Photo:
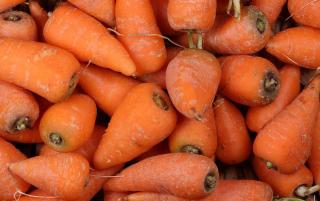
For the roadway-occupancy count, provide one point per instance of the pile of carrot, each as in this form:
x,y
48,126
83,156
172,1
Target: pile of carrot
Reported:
x,y
159,100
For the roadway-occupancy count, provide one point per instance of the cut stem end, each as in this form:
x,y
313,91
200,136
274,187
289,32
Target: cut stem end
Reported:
x,y
56,139
21,124
160,101
191,149
210,182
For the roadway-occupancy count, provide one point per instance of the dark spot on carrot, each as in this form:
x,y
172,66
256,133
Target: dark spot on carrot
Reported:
x,y
210,182
196,115
21,123
261,23
72,84
160,101
12,18
191,149
56,139
271,85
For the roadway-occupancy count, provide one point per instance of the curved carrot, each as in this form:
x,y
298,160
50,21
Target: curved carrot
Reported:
x,y
148,52
192,80
234,144
305,12
132,129
258,117
285,142
6,4
39,15
93,45
314,159
30,135
143,196
271,9
166,174
96,82
114,196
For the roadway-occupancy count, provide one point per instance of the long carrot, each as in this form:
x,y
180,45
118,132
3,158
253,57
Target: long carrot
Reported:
x,y
94,45
30,135
314,160
39,15
305,12
6,4
271,8
146,196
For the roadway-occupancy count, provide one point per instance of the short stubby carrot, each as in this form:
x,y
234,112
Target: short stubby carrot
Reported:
x,y
63,175
166,173
6,4
271,8
46,70
192,15
257,117
192,136
305,12
285,142
94,45
103,10
314,160
30,135
97,81
39,15
19,25
147,51
249,80
192,80
285,45
234,144
144,196
248,35
134,130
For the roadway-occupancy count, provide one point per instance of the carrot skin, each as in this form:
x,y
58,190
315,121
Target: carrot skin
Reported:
x,y
314,160
271,8
39,15
6,4
305,12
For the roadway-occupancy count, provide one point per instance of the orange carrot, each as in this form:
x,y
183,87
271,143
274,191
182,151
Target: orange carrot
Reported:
x,y
96,82
192,79
143,128
93,45
167,174
234,144
113,196
314,160
305,12
144,196
148,52
39,15
257,117
6,4
249,80
63,175
31,135
285,142
271,9
67,125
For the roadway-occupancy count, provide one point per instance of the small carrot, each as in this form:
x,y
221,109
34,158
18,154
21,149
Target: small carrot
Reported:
x,y
146,196
30,135
305,12
192,79
285,142
257,117
39,15
143,128
97,81
234,144
167,174
114,196
67,125
6,4
93,45
314,160
249,80
271,9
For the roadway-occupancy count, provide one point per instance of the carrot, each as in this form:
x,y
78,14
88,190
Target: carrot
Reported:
x,y
198,137
271,9
63,175
96,82
67,125
37,195
167,174
148,52
161,148
39,15
30,135
93,45
305,12
113,196
146,196
258,117
192,79
313,161
6,4
245,36
249,80
9,183
285,142
234,144
290,52
143,128
103,10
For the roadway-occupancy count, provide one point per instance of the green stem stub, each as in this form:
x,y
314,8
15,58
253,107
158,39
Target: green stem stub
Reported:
x,y
190,39
210,182
191,149
12,18
21,124
56,139
160,101
261,23
270,165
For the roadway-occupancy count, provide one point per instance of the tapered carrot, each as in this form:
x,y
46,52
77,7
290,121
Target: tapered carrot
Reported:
x,y
148,52
245,36
192,136
249,80
103,10
144,196
96,82
192,79
271,9
305,12
30,135
290,52
6,4
285,142
67,125
257,117
39,15
63,175
94,45
113,196
132,129
166,174
234,144
314,160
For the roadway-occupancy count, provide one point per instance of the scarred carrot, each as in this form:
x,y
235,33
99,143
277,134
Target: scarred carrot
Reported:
x,y
6,4
314,160
305,12
271,8
39,15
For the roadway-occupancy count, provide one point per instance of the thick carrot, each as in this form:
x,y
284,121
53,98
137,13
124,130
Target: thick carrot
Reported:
x,y
245,36
30,135
167,174
103,10
314,160
271,9
6,4
148,52
285,46
63,175
94,45
147,196
192,136
234,144
132,129
114,196
305,12
249,80
96,82
192,80
257,117
39,15
67,125
285,142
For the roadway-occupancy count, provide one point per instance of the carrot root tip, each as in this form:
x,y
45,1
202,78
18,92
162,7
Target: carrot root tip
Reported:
x,y
21,123
160,101
261,23
304,191
271,85
56,139
191,149
12,18
210,182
